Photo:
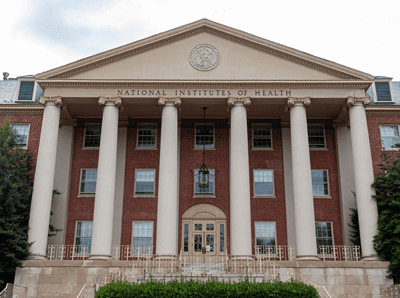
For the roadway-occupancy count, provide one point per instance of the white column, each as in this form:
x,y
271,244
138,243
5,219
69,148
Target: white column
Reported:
x,y
302,183
364,176
239,179
44,178
105,186
167,212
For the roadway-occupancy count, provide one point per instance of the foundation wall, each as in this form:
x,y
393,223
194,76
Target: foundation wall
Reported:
x,y
66,278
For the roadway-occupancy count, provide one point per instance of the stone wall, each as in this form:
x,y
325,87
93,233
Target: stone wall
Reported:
x,y
66,278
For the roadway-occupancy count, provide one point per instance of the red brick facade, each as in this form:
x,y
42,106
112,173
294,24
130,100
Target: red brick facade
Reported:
x,y
262,209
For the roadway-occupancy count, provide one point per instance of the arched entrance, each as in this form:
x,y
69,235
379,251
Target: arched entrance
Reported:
x,y
204,225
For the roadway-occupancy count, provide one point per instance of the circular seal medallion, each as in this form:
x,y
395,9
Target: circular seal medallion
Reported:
x,y
204,57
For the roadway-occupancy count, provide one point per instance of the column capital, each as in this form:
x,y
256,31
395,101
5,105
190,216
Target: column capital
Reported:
x,y
162,101
304,101
50,99
116,100
351,101
239,100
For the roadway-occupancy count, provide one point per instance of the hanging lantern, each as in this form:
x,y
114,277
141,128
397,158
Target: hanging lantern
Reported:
x,y
204,177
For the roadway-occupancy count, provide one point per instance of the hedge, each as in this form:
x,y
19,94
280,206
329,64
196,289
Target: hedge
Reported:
x,y
208,289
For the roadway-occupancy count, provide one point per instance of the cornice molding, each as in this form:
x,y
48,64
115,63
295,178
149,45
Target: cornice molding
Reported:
x,y
162,101
305,101
20,111
213,28
383,112
206,84
241,100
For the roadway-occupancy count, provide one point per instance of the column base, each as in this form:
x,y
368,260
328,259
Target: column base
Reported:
x,y
371,258
307,258
100,257
36,257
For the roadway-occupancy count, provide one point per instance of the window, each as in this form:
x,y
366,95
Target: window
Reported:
x,y
88,182
204,136
323,231
390,136
92,135
265,237
83,236
204,191
262,136
316,136
26,91
383,92
142,240
147,134
320,185
22,133
263,182
144,183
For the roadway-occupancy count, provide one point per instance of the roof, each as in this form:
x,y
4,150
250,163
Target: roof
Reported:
x,y
8,88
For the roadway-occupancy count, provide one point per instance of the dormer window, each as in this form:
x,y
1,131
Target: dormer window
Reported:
x,y
383,91
26,89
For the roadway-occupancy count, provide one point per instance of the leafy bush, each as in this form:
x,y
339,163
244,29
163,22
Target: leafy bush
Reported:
x,y
209,289
387,242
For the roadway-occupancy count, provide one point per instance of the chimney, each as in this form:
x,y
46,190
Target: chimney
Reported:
x,y
5,75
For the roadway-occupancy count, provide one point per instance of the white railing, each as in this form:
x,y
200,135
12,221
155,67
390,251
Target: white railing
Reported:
x,y
130,252
276,252
390,292
67,252
257,268
339,253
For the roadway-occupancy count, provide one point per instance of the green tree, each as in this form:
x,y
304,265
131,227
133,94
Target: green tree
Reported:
x,y
355,238
15,196
387,242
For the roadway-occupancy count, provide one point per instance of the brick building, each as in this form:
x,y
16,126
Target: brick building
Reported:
x,y
287,138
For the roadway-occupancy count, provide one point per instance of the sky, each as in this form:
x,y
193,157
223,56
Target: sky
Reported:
x,y
40,35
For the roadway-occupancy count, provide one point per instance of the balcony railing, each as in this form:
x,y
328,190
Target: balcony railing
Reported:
x,y
67,252
131,252
267,252
276,252
339,253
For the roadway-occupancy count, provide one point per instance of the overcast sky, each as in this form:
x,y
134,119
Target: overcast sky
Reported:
x,y
43,34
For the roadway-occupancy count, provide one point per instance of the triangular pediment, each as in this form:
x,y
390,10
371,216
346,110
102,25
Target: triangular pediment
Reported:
x,y
167,56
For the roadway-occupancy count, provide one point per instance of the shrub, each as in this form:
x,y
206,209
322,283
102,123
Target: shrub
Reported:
x,y
208,289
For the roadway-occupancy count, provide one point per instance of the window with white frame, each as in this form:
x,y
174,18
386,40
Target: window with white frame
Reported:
x,y
265,237
144,182
204,136
263,182
142,239
316,136
324,233
147,134
92,135
88,181
320,182
210,190
22,133
262,136
390,136
83,236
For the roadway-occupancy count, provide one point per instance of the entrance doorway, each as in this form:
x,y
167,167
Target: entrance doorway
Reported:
x,y
204,228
